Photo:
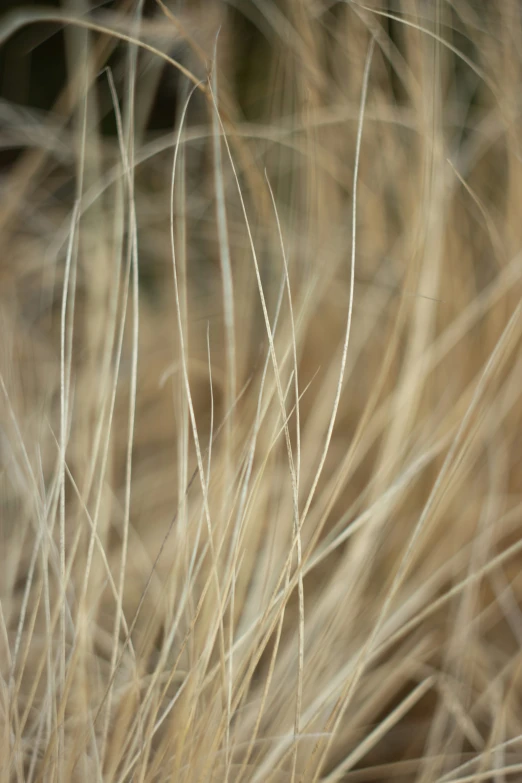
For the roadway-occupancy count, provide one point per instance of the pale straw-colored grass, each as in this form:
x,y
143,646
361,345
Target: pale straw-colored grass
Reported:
x,y
260,382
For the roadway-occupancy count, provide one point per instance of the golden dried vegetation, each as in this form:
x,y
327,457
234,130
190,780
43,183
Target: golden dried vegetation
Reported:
x,y
260,394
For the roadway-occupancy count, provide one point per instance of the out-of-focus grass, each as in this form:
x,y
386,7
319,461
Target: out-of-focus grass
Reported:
x,y
260,447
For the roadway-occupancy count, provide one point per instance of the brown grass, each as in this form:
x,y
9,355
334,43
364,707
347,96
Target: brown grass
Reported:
x,y
261,373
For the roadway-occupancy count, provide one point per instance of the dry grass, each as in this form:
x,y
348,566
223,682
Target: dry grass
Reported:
x,y
261,456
